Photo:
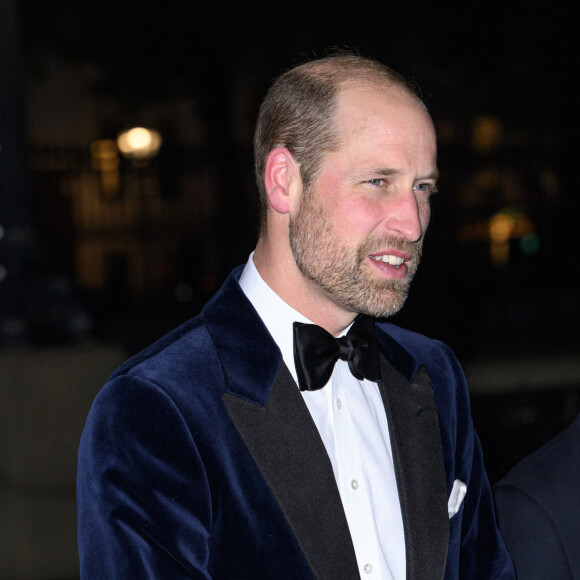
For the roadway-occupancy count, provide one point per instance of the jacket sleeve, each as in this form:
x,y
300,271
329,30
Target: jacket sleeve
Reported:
x,y
483,551
476,548
531,535
144,506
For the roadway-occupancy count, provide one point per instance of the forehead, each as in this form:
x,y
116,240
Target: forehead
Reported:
x,y
386,116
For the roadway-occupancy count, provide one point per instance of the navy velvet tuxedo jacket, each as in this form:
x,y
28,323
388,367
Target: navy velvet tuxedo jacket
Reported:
x,y
538,509
200,459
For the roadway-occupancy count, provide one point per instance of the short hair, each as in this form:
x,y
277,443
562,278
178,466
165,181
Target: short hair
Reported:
x,y
298,112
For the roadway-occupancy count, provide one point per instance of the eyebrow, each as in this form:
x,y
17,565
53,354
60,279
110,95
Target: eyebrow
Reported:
x,y
375,171
434,175
387,171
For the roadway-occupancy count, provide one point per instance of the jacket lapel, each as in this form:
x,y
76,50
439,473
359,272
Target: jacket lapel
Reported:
x,y
277,435
418,459
272,418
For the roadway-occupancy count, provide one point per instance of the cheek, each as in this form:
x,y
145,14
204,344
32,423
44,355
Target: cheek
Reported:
x,y
359,216
326,192
349,213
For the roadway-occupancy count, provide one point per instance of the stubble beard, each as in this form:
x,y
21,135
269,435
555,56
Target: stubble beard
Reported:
x,y
343,271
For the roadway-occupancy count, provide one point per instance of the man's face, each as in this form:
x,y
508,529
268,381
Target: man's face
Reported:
x,y
359,230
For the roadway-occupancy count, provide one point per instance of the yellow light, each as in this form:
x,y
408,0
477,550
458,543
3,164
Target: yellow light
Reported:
x,y
501,227
105,160
105,156
139,143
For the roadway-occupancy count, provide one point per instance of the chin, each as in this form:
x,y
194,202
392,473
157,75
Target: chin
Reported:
x,y
380,306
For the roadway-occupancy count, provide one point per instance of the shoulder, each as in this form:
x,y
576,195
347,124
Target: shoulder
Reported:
x,y
174,376
537,505
405,337
551,471
407,351
173,354
189,354
421,348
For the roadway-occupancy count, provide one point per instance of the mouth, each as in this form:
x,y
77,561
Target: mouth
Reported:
x,y
395,261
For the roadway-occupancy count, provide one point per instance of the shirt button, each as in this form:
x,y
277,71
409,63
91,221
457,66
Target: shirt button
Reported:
x,y
339,403
354,485
368,568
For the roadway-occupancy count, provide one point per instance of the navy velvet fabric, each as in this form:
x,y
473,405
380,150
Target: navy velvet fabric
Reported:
x,y
538,507
167,487
476,549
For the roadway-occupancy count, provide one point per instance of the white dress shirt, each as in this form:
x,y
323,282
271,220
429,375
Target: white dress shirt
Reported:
x,y
351,419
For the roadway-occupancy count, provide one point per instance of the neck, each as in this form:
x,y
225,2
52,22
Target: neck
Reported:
x,y
278,269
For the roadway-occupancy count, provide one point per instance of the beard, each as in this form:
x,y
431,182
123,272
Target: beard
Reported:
x,y
342,271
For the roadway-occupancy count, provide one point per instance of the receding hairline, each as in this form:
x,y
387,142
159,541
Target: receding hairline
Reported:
x,y
356,72
299,111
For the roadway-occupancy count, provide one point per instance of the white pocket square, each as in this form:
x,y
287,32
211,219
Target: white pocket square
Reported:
x,y
456,498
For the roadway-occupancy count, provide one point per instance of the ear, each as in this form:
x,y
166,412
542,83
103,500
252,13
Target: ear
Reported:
x,y
281,175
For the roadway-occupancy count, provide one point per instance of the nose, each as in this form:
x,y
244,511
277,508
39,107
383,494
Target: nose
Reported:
x,y
408,215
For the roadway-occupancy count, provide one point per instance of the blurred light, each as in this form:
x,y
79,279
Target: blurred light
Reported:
x,y
1,232
501,227
139,143
530,244
487,133
104,155
505,225
105,159
3,273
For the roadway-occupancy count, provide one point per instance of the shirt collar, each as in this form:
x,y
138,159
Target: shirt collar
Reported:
x,y
277,315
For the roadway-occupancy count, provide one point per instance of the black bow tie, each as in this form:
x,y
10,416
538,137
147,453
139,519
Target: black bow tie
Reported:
x,y
316,352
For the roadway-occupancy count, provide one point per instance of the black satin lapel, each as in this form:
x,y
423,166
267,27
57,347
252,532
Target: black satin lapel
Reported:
x,y
291,456
418,458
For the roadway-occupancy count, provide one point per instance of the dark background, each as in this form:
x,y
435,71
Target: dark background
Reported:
x,y
499,80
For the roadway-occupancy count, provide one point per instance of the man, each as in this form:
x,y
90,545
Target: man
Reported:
x,y
220,452
538,508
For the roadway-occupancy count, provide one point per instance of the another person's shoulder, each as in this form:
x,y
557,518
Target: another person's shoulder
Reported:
x,y
537,506
554,465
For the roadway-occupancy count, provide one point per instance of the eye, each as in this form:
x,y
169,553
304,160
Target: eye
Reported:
x,y
376,182
428,188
